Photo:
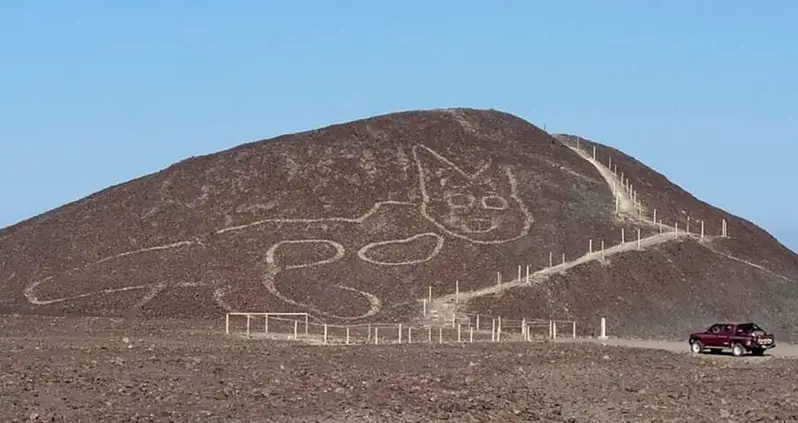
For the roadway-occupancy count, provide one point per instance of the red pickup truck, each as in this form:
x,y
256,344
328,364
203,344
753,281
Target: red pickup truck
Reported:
x,y
741,338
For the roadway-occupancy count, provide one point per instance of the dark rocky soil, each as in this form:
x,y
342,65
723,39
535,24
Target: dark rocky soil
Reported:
x,y
90,370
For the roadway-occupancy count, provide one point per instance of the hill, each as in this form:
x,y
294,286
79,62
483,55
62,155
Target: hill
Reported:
x,y
356,221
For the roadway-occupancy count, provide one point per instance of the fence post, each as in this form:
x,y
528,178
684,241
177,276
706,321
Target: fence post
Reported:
x,y
519,274
590,246
702,229
573,328
306,323
554,330
368,336
623,236
493,330
266,324
563,262
454,318
347,335
594,152
471,334
376,335
498,278
410,335
551,259
429,334
550,328
227,323
602,248
477,321
424,304
440,335
676,230
499,330
296,329
248,324
456,292
429,299
458,333
638,239
523,325
325,333
400,333
527,275
603,328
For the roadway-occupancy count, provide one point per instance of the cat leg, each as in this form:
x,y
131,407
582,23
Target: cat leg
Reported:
x,y
274,267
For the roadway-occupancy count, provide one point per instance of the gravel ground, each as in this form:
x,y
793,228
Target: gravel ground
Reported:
x,y
79,369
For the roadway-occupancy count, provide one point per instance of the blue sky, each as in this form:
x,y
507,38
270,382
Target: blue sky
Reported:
x,y
94,93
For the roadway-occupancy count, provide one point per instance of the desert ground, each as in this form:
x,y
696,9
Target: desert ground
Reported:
x,y
102,369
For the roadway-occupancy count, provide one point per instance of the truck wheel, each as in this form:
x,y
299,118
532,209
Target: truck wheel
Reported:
x,y
738,350
696,347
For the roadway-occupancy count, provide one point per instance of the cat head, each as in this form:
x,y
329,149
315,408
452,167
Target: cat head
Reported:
x,y
482,207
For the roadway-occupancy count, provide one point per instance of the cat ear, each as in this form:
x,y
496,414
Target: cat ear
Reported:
x,y
436,172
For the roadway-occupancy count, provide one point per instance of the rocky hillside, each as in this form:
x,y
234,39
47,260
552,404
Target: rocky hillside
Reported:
x,y
355,222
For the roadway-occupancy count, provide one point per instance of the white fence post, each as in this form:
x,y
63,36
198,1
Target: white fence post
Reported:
x,y
590,246
347,335
573,328
227,323
440,335
527,275
410,335
458,333
456,292
638,238
623,236
376,335
325,333
296,329
248,318
471,334
400,333
603,328
554,330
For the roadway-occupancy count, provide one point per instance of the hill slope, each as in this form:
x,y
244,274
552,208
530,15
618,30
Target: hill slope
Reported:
x,y
356,221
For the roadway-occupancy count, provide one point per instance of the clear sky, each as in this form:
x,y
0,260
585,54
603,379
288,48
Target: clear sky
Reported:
x,y
94,93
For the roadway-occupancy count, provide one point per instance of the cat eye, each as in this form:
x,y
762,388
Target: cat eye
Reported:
x,y
457,200
494,202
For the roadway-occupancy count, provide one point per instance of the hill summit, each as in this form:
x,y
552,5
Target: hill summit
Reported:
x,y
361,221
